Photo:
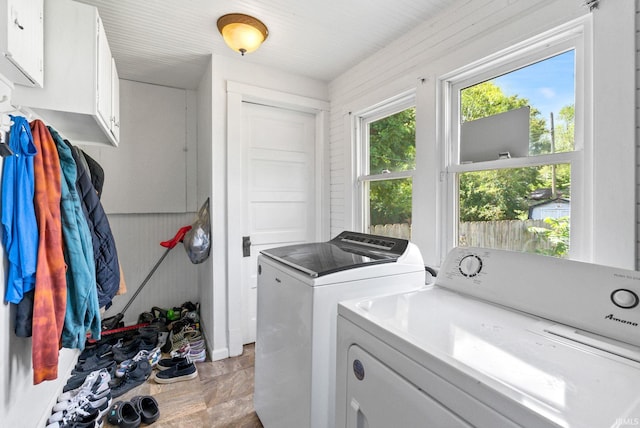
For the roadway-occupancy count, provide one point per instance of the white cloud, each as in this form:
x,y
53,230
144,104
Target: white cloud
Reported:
x,y
548,93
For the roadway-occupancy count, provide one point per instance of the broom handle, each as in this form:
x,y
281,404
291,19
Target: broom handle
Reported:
x,y
169,246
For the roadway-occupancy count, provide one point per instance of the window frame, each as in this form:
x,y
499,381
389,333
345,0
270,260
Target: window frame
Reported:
x,y
361,121
576,36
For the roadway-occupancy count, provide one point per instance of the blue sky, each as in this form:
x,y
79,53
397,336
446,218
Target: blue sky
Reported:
x,y
549,84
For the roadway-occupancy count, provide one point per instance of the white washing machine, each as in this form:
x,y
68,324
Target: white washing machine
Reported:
x,y
299,288
502,339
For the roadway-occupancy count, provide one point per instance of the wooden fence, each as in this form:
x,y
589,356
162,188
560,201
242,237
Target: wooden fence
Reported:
x,y
506,234
402,230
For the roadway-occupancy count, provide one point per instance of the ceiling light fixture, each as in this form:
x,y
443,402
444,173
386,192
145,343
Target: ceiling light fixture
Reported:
x,y
242,33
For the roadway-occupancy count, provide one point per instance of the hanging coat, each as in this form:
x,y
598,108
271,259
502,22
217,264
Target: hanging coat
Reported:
x,y
83,312
20,237
104,245
96,173
50,297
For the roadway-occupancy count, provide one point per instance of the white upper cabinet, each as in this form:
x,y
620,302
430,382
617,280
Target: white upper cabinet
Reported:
x,y
21,41
115,101
79,98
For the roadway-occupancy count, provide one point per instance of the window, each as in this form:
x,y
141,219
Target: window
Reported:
x,y
386,137
513,148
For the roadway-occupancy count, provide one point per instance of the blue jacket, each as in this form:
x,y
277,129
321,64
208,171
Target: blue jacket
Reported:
x,y
83,312
20,237
104,245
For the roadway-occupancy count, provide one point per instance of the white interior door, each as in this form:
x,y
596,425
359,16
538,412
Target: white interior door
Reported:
x,y
278,190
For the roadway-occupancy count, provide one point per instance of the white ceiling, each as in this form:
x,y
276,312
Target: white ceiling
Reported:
x,y
168,42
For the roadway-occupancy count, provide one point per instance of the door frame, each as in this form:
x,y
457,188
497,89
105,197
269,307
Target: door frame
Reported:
x,y
238,93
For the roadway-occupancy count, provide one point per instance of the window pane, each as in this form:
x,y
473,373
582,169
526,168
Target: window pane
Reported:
x,y
548,87
390,208
392,143
520,209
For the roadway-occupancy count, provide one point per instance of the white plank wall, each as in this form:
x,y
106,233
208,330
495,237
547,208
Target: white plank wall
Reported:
x,y
138,238
439,46
397,68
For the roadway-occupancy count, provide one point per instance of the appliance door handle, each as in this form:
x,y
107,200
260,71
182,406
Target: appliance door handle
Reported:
x,y
357,419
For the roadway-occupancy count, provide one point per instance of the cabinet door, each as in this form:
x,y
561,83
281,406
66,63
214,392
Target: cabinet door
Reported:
x,y
115,101
25,40
104,78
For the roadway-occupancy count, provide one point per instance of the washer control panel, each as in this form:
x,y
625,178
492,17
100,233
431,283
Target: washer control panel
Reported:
x,y
599,299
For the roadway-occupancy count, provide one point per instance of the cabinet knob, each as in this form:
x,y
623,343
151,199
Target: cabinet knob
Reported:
x,y
15,21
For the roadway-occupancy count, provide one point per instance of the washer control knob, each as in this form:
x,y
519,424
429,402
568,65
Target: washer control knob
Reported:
x,y
624,298
470,265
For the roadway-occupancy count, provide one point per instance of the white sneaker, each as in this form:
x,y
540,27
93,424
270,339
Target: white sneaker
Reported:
x,y
95,382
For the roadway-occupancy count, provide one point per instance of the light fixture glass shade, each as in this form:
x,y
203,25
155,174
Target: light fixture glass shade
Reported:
x,y
242,33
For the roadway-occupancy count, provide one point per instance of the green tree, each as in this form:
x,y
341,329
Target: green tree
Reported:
x,y
486,99
392,147
557,235
499,194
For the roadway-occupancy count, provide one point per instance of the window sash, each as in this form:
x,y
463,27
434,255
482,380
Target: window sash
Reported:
x,y
571,36
362,120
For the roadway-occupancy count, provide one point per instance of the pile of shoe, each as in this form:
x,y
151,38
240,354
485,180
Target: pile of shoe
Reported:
x,y
185,338
84,406
128,360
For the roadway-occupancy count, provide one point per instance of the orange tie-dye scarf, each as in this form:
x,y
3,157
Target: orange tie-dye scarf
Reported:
x,y
50,298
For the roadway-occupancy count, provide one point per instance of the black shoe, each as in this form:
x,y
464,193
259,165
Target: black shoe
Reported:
x,y
130,350
167,363
99,349
177,373
124,415
94,363
132,378
147,407
111,368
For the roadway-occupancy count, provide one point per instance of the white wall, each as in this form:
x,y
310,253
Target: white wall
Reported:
x,y
235,69
465,33
150,192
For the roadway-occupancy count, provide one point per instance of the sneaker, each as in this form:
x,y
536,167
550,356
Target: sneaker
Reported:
x,y
111,368
180,372
95,382
197,356
84,408
94,362
124,366
77,379
182,351
100,350
80,398
130,350
79,419
154,356
167,363
163,338
132,378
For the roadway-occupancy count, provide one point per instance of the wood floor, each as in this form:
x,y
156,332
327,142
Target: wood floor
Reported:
x,y
221,396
